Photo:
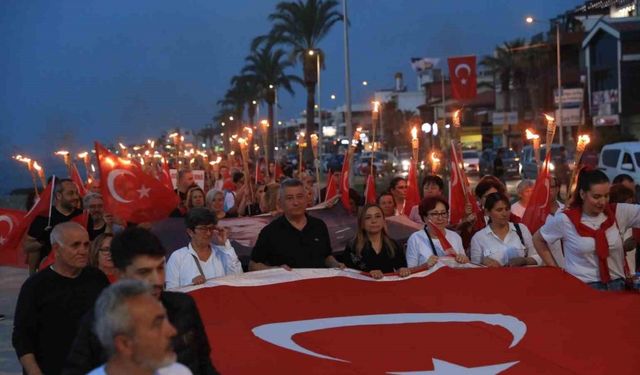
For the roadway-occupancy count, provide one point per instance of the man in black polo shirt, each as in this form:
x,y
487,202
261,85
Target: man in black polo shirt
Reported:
x,y
37,244
294,240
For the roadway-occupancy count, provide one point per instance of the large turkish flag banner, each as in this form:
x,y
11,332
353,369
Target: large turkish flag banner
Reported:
x,y
129,192
462,72
462,321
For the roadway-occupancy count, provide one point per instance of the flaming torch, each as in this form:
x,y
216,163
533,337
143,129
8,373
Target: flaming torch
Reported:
x,y
265,143
67,159
415,144
583,141
87,163
535,140
551,130
40,172
244,154
435,162
316,162
30,167
302,143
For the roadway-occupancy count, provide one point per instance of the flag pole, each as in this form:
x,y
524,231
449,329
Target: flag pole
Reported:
x,y
53,189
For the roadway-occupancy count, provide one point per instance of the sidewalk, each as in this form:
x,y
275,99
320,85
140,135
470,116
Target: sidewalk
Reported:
x,y
11,280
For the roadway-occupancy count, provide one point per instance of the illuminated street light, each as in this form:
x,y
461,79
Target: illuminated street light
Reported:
x,y
364,83
333,96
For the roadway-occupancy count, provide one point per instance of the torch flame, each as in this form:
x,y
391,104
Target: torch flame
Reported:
x,y
37,166
583,141
549,118
122,146
414,133
62,152
531,134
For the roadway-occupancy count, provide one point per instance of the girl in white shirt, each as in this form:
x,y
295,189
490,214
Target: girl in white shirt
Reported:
x,y
435,240
502,243
591,221
209,254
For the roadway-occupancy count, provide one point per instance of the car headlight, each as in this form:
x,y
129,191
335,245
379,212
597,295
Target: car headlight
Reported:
x,y
405,164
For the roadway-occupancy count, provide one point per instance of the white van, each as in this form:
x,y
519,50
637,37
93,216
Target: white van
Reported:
x,y
619,158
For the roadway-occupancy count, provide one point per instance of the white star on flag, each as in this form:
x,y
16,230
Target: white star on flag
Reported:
x,y
463,81
2,240
143,191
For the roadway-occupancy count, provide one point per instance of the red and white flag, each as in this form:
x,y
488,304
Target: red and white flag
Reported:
x,y
413,196
339,322
460,193
331,190
344,182
538,208
75,177
370,190
130,193
165,175
462,72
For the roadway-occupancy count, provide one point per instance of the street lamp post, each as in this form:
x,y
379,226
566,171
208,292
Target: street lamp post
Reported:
x,y
531,20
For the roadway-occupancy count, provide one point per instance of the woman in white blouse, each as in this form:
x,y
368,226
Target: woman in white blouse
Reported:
x,y
502,243
209,254
435,240
590,233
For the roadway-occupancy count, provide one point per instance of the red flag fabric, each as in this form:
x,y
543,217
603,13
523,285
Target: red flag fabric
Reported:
x,y
331,187
538,208
344,182
413,196
11,236
370,190
130,193
11,251
480,328
462,72
458,188
278,172
75,177
165,175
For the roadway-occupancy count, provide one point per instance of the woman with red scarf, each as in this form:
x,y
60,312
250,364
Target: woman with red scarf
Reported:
x,y
590,232
435,240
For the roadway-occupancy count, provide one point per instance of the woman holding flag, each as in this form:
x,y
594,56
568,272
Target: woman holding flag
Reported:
x,y
590,231
502,242
372,250
435,240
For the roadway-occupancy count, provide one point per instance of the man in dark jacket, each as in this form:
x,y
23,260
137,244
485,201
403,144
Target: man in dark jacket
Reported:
x,y
138,254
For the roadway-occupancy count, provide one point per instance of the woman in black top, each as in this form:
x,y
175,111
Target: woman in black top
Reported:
x,y
372,250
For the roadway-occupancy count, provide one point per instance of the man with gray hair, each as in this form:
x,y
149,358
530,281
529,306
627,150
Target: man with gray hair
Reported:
x,y
133,327
295,239
102,221
52,302
524,189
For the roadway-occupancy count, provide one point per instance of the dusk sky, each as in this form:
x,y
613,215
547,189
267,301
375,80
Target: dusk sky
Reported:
x,y
77,71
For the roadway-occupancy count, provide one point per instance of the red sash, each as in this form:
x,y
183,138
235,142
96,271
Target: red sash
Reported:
x,y
602,245
448,249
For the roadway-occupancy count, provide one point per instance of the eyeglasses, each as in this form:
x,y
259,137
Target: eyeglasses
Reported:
x,y
206,228
439,214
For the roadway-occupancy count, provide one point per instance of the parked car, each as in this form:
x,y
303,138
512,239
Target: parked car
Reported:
x,y
510,159
529,165
383,163
619,158
471,161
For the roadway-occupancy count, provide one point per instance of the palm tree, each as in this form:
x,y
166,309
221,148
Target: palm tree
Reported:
x,y
267,68
301,25
240,95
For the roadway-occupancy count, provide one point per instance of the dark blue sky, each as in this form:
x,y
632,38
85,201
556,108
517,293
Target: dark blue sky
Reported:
x,y
77,71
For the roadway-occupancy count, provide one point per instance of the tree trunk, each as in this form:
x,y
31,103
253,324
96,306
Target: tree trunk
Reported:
x,y
271,131
310,124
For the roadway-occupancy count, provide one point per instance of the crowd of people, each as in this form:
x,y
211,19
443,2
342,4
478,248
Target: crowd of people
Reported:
x,y
102,307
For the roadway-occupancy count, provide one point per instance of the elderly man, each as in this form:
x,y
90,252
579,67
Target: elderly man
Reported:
x,y
36,244
294,240
133,327
102,221
138,254
52,302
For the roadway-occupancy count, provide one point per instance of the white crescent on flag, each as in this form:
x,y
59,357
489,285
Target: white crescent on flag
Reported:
x,y
461,67
8,220
111,180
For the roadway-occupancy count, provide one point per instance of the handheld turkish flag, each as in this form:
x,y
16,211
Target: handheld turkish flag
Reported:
x,y
462,72
10,237
278,172
460,193
75,177
130,193
370,190
413,196
165,175
344,182
538,208
14,225
255,325
331,187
